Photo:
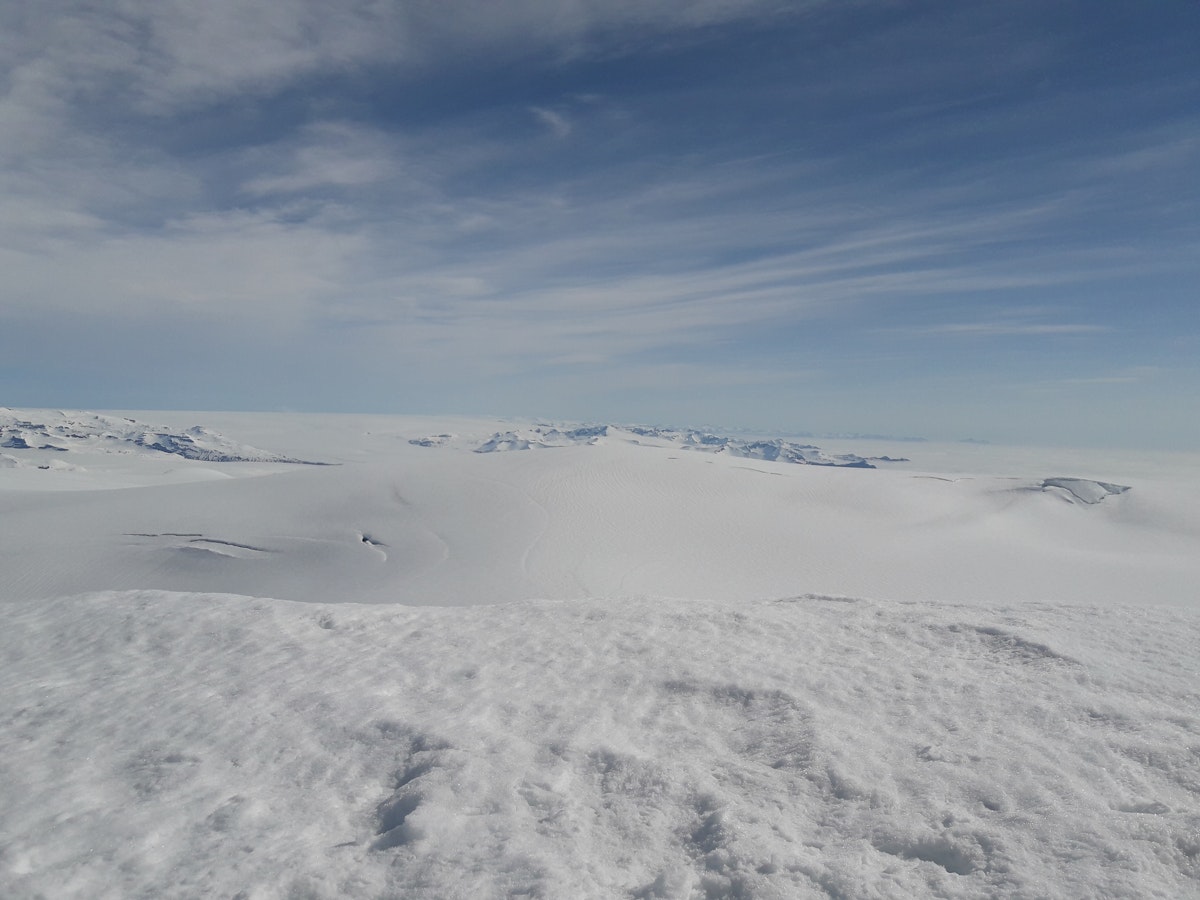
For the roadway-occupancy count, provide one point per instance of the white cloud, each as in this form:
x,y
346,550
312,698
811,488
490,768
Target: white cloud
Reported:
x,y
324,154
161,55
619,261
558,124
408,244
232,267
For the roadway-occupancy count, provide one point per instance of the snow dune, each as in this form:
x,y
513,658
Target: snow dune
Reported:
x,y
608,665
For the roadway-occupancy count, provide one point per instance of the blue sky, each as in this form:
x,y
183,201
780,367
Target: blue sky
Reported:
x,y
949,219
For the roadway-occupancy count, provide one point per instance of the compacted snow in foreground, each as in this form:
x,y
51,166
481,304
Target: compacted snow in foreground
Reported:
x,y
194,745
619,666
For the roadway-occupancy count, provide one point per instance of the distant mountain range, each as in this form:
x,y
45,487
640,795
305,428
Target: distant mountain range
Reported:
x,y
64,431
772,450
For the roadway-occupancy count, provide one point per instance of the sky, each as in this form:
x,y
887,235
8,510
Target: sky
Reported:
x,y
946,219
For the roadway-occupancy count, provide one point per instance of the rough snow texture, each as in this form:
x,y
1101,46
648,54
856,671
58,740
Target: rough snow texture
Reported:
x,y
612,670
166,745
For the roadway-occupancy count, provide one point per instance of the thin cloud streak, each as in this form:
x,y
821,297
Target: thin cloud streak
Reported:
x,y
1007,329
556,122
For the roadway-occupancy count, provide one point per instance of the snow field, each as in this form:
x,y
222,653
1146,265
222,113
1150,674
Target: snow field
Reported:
x,y
183,745
449,527
488,690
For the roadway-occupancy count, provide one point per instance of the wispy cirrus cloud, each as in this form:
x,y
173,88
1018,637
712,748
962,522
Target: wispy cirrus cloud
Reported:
x,y
167,53
323,155
431,193
233,267
556,122
654,264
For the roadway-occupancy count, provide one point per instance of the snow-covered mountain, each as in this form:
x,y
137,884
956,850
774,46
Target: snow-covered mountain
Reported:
x,y
769,449
63,432
540,436
543,436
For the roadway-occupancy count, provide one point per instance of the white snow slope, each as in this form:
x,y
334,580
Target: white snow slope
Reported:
x,y
610,670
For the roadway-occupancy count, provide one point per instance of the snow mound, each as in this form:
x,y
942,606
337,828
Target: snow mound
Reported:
x,y
1084,490
8,461
92,432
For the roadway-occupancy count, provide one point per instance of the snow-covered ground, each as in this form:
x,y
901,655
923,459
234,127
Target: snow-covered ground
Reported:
x,y
615,663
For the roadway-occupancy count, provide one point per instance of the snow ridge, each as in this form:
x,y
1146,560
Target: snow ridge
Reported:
x,y
1084,490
